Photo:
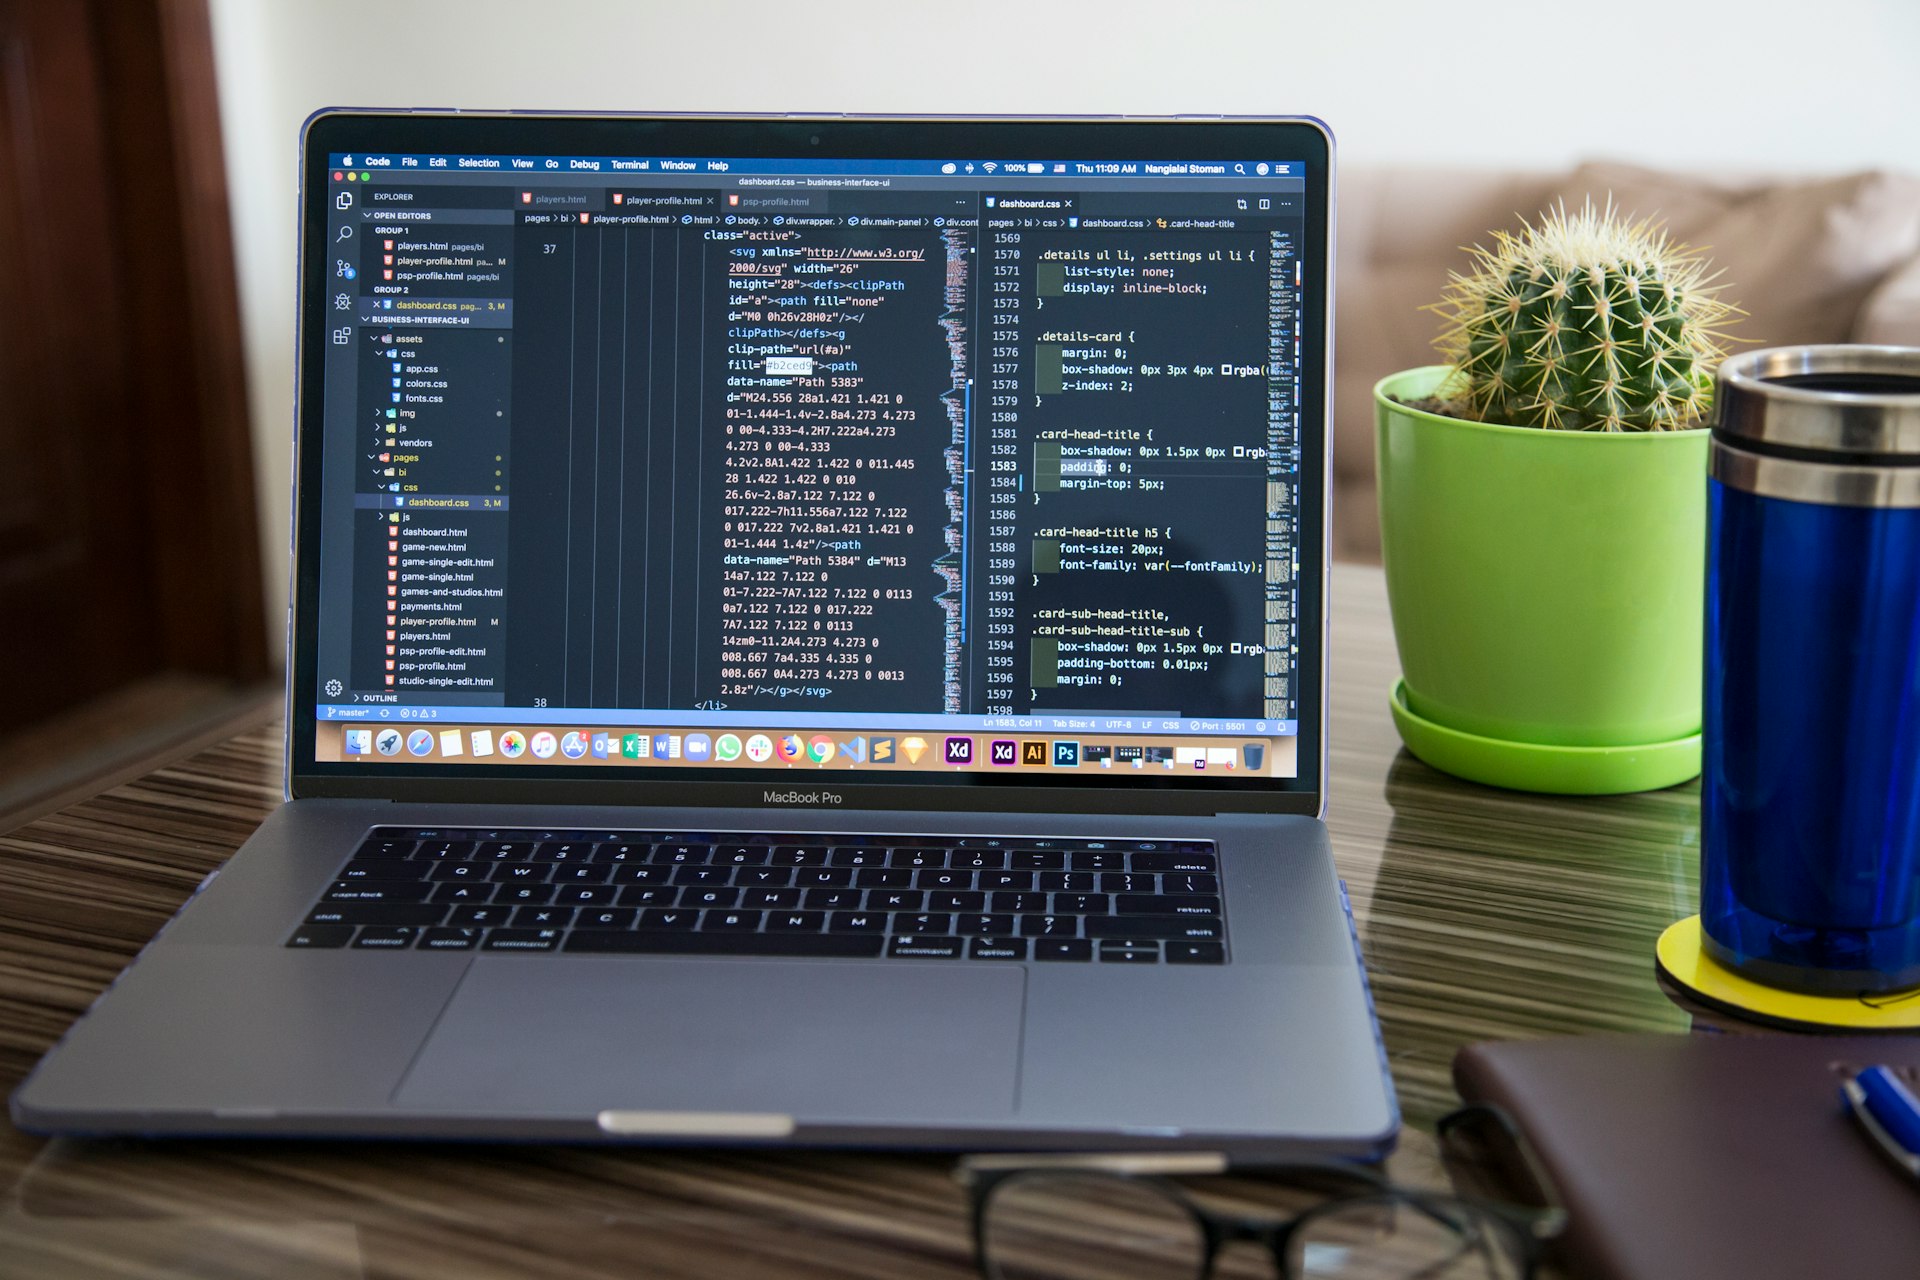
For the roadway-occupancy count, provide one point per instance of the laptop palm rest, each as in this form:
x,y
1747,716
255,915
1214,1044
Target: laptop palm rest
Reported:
x,y
810,1040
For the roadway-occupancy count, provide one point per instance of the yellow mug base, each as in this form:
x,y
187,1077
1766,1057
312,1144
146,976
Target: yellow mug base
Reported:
x,y
1683,958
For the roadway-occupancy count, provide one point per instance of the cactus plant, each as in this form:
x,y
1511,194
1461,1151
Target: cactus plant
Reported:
x,y
1585,322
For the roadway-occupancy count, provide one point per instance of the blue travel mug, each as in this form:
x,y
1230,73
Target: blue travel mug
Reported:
x,y
1810,790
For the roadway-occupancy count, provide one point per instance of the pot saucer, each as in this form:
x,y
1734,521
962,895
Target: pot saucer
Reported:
x,y
1534,766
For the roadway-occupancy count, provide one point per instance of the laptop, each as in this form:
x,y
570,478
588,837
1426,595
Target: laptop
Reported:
x,y
805,631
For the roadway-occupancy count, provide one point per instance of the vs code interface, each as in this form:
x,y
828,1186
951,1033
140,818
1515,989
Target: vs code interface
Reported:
x,y
719,462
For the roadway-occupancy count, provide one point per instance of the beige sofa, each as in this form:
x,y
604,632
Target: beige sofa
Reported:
x,y
1818,260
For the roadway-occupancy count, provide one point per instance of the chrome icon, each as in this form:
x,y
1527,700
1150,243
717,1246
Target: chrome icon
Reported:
x,y
821,748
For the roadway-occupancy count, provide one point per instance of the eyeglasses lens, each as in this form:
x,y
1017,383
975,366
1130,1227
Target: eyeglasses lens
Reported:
x,y
1392,1239
1081,1227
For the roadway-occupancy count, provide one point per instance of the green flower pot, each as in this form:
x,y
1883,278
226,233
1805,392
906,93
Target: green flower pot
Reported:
x,y
1547,596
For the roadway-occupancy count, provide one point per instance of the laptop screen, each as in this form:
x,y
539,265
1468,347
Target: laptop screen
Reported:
x,y
808,454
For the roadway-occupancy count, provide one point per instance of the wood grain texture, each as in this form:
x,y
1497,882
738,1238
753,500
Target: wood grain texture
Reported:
x,y
1483,914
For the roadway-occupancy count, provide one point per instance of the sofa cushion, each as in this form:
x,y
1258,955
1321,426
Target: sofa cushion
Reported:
x,y
1890,316
1798,257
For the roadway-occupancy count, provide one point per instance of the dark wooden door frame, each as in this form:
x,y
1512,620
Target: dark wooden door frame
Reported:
x,y
122,324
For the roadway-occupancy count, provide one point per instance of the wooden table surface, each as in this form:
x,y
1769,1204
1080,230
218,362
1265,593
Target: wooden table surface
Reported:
x,y
1483,914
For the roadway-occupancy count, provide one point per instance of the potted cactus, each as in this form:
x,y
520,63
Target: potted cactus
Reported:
x,y
1543,511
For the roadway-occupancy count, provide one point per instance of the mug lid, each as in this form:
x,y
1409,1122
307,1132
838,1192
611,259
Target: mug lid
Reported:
x,y
1860,402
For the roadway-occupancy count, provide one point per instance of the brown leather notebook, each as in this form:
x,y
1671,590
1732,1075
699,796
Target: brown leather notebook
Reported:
x,y
1701,1157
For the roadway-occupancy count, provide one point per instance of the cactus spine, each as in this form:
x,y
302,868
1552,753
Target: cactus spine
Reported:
x,y
1586,322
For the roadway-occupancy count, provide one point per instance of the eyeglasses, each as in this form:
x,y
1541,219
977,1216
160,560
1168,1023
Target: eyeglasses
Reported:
x,y
1120,1218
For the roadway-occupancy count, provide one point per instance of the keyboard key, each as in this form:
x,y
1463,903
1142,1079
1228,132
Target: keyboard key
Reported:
x,y
456,891
831,899
824,878
795,921
684,855
564,851
586,895
742,855
725,944
896,900
923,922
542,917
649,895
380,869
383,846
1037,860
1098,860
641,873
1189,884
1017,902
919,947
522,872
979,859
479,917
1113,953
450,939
698,875
983,925
606,918
1019,881
770,899
581,873
883,878
1062,949
388,914
719,898
948,880
917,859
444,849
1200,862
375,938
1065,882
521,895
957,901
997,949
1160,904
1050,926
321,935
1081,904
1193,928
857,856
616,852
764,877
731,921
800,855
1126,882
378,891
857,922
475,871
522,939
1196,953
675,919
503,851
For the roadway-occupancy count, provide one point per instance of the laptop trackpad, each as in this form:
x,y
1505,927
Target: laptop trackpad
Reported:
x,y
821,1040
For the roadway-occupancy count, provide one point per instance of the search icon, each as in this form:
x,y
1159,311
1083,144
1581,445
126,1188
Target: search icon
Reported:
x,y
1240,169
346,233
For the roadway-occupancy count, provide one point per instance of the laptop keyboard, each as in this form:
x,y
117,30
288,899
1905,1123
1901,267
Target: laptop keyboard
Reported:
x,y
758,894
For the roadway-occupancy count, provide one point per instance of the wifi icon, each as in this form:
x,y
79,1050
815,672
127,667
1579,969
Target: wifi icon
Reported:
x,y
989,166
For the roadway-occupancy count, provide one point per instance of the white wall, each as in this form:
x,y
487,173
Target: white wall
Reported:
x,y
1734,84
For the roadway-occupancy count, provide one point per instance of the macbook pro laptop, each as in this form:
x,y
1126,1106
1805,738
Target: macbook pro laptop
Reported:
x,y
804,631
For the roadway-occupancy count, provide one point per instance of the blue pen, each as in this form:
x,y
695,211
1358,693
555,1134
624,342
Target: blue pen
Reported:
x,y
1889,1111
